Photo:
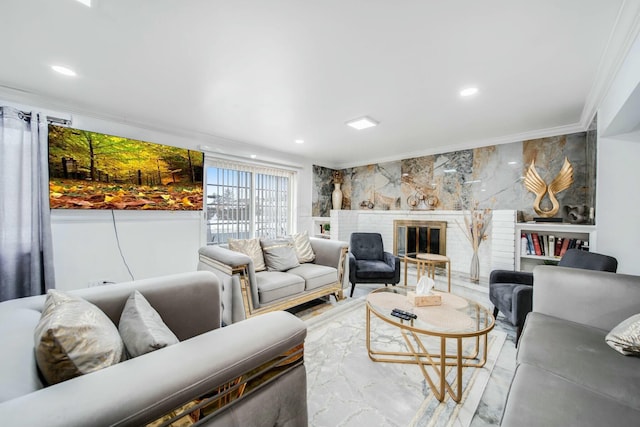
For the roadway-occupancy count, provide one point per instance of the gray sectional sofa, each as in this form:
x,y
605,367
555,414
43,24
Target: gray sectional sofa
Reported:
x,y
247,293
253,369
567,375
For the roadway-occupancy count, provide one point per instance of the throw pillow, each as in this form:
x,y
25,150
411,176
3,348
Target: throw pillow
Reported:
x,y
73,338
251,248
279,254
625,337
142,328
304,251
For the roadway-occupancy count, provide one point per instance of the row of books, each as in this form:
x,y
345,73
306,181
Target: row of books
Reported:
x,y
549,245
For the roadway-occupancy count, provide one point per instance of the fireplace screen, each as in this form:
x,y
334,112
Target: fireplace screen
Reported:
x,y
413,236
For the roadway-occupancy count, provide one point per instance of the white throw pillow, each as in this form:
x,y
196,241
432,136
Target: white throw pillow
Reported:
x,y
625,337
303,247
251,248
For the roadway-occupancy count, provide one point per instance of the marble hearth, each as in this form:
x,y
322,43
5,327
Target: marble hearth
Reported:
x,y
497,252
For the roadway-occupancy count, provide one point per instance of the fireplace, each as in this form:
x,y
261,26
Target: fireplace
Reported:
x,y
414,236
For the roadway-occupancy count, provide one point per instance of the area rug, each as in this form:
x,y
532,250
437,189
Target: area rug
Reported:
x,y
346,388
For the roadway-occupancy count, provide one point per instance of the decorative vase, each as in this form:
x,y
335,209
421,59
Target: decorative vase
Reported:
x,y
474,272
336,196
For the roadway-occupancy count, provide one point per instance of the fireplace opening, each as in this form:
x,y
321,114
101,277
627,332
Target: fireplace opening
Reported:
x,y
416,236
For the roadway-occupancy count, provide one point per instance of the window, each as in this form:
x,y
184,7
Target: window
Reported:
x,y
246,201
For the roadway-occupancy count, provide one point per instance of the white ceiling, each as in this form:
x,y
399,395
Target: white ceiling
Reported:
x,y
266,73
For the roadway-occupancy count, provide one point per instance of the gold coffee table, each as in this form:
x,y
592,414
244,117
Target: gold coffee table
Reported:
x,y
456,320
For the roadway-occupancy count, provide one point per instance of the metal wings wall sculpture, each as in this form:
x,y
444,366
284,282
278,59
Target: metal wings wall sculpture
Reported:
x,y
534,183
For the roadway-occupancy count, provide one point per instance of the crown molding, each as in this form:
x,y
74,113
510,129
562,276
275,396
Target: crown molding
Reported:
x,y
523,136
624,33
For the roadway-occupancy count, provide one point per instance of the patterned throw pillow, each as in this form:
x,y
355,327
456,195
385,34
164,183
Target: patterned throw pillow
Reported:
x,y
625,338
73,338
304,251
251,248
279,254
142,328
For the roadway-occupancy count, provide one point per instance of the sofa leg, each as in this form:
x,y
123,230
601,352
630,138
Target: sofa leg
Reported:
x,y
353,286
495,312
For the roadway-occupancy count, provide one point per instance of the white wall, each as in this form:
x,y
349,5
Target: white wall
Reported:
x,y
618,202
618,174
154,243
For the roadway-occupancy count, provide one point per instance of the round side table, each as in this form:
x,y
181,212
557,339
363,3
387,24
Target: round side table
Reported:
x,y
426,263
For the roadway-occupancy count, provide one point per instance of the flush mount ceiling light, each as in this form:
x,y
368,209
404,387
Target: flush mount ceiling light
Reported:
x,y
468,91
63,70
299,141
85,2
362,123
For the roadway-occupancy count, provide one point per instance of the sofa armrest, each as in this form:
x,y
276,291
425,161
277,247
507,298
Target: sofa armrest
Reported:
x,y
508,276
229,265
332,253
394,262
328,252
521,303
143,389
595,298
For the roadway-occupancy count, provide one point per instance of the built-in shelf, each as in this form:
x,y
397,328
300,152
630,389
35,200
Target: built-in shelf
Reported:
x,y
318,227
579,232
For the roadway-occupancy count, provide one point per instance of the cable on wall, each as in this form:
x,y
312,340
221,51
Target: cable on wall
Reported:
x,y
113,216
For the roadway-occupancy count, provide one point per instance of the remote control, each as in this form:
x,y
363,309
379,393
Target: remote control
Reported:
x,y
400,315
406,313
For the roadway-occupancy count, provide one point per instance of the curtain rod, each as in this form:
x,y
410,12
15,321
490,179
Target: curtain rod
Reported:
x,y
50,119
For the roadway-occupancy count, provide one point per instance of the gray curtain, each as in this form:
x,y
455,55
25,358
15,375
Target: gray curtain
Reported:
x,y
26,250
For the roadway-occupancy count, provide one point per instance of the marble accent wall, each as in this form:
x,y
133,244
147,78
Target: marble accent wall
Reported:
x,y
493,175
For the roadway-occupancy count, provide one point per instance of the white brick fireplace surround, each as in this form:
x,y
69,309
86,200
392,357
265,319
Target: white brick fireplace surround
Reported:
x,y
497,252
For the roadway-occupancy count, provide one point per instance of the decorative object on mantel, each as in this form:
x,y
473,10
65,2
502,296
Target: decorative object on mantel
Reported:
x,y
577,214
366,204
534,183
476,222
336,196
421,201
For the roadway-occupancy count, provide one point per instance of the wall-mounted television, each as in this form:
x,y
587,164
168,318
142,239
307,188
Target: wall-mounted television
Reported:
x,y
89,170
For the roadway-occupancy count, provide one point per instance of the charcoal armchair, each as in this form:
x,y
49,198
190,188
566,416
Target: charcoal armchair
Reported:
x,y
369,263
511,292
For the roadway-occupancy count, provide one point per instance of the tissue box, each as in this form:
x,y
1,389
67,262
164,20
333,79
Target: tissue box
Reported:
x,y
423,300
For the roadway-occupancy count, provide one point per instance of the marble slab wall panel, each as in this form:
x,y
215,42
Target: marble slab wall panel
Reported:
x,y
492,175
321,191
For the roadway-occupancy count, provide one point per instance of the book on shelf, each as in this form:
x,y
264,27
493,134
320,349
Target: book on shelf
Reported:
x,y
549,245
565,246
536,244
530,244
558,246
524,244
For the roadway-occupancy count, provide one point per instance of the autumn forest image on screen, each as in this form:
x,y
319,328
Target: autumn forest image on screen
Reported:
x,y
89,170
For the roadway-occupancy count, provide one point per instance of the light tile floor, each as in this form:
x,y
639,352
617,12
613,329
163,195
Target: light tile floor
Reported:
x,y
493,399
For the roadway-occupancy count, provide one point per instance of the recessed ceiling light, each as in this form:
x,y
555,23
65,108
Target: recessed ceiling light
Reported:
x,y
253,156
362,123
469,91
299,141
63,70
